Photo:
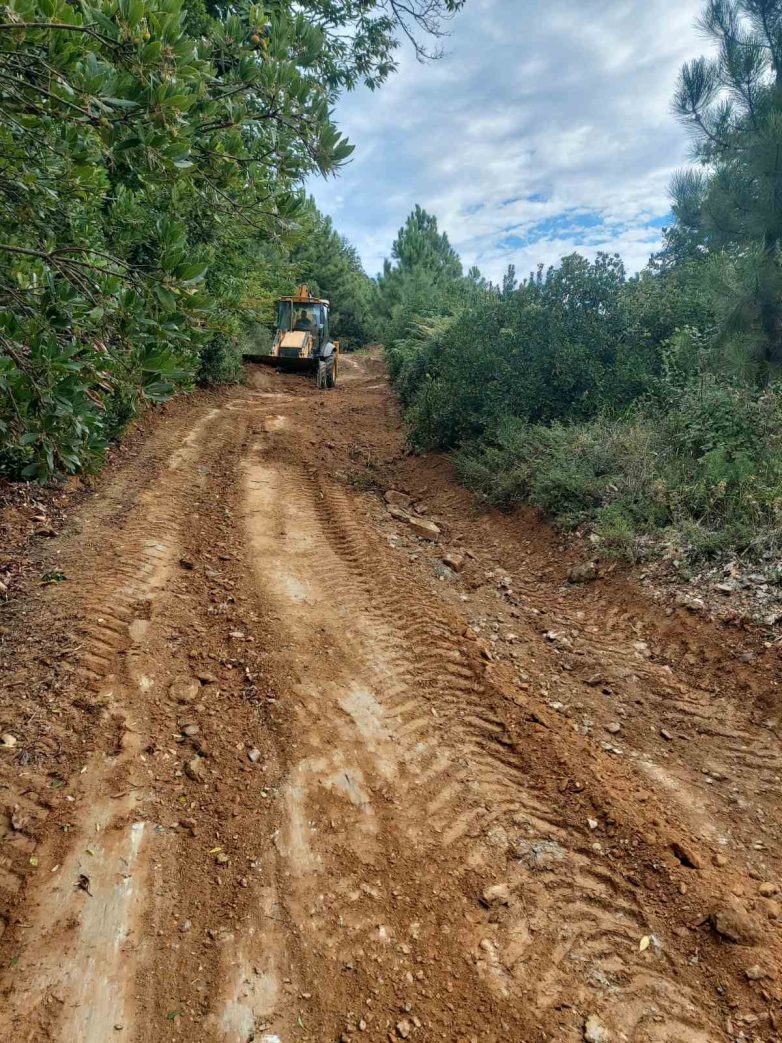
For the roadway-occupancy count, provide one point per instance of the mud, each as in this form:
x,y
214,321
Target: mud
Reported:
x,y
282,775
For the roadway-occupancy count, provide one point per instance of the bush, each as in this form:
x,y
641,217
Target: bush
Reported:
x,y
221,361
707,471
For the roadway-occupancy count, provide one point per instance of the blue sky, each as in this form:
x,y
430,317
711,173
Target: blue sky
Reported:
x,y
546,128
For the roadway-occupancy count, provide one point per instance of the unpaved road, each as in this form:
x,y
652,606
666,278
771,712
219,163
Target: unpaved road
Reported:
x,y
282,776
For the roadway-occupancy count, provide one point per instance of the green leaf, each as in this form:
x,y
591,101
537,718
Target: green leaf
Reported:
x,y
191,273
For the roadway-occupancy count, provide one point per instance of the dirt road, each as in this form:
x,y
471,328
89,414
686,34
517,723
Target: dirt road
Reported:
x,y
278,773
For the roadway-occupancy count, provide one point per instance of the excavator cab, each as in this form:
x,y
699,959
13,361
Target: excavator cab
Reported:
x,y
302,340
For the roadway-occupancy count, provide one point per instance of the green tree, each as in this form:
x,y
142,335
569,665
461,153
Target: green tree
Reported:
x,y
421,276
733,203
331,267
152,156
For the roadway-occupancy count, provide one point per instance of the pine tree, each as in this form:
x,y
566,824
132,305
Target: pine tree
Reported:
x,y
733,203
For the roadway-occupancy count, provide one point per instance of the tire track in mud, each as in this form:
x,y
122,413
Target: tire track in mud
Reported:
x,y
720,742
455,766
114,592
403,775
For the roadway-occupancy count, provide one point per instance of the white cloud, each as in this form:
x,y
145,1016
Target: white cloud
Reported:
x,y
537,114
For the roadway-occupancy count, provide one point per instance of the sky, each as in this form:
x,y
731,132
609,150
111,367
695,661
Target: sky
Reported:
x,y
546,128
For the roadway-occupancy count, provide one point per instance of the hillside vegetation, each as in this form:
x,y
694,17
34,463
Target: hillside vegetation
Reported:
x,y
152,158
649,408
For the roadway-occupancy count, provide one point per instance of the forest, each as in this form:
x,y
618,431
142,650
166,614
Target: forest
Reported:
x,y
153,158
646,409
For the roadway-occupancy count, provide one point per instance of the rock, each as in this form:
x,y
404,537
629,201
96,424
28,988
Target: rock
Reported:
x,y
772,908
397,512
423,527
185,926
254,755
689,601
720,861
734,925
397,498
403,1028
184,690
756,972
187,564
195,770
454,560
725,588
768,889
559,639
205,677
686,855
585,573
8,741
189,729
420,526
595,1031
497,894
221,858
614,727
666,735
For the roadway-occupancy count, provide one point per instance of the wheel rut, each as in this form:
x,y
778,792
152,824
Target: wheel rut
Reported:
x,y
277,783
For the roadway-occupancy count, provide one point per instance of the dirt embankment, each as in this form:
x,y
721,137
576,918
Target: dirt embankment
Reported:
x,y
286,763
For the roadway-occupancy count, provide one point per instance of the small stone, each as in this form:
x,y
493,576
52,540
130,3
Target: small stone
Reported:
x,y
254,755
772,908
614,727
205,677
195,770
424,528
187,564
8,741
403,1028
756,972
666,735
184,690
691,602
585,573
221,858
720,861
190,730
595,1031
454,560
397,498
734,925
185,926
768,889
497,894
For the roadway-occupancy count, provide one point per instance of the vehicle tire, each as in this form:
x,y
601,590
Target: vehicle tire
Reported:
x,y
326,373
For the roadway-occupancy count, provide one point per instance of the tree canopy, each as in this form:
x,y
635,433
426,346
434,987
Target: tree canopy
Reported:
x,y
732,202
152,156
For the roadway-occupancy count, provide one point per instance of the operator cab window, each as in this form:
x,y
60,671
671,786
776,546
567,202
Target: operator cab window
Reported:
x,y
307,317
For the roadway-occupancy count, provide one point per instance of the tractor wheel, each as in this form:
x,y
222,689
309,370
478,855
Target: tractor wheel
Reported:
x,y
326,376
331,372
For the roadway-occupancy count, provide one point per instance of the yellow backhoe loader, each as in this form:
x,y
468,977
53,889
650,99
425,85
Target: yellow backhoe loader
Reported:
x,y
301,339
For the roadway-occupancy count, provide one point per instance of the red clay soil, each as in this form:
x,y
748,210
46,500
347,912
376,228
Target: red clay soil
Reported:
x,y
276,767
